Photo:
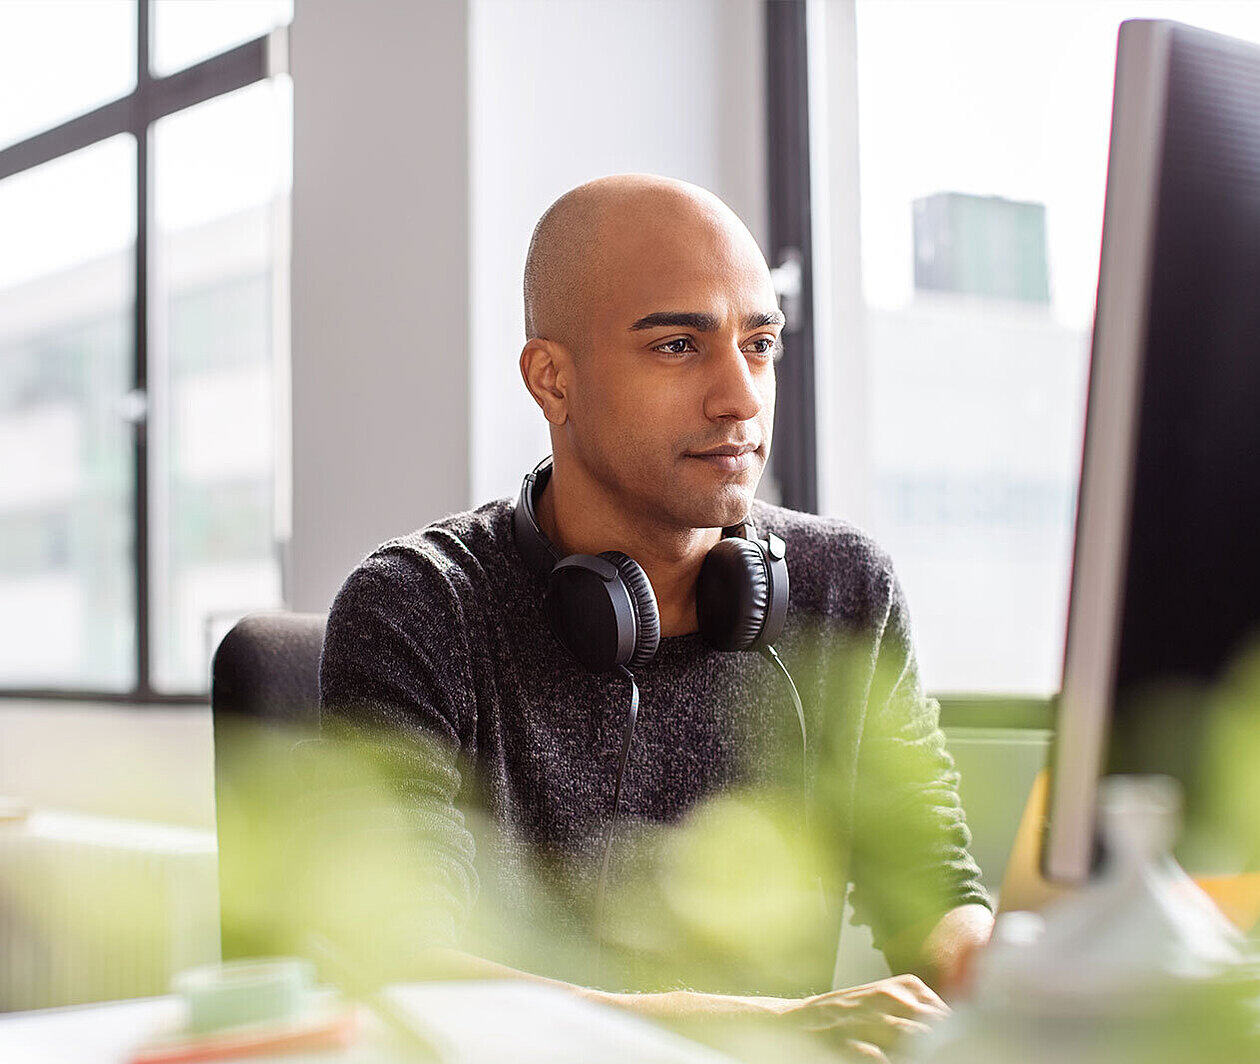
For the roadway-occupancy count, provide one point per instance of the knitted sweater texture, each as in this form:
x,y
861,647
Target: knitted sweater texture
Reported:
x,y
441,634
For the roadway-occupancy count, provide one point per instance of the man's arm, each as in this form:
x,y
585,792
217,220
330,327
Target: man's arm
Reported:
x,y
395,673
396,668
446,963
862,1020
914,880
395,693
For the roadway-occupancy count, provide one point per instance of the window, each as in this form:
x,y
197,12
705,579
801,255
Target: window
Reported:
x,y
67,481
143,348
960,263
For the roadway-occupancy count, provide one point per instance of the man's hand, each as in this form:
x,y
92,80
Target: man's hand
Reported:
x,y
866,1020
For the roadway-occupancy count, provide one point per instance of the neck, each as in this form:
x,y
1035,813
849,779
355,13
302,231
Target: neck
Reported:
x,y
579,516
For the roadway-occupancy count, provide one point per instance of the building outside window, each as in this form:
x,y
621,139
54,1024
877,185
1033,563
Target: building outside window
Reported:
x,y
954,370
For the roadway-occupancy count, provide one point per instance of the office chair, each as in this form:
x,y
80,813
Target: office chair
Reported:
x,y
264,698
266,670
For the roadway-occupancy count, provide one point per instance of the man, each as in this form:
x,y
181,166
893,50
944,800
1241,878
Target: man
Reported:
x,y
652,333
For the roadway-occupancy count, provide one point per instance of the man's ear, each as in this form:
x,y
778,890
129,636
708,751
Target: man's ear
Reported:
x,y
547,370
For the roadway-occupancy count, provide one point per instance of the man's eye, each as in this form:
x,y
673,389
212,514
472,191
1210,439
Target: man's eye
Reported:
x,y
764,345
675,347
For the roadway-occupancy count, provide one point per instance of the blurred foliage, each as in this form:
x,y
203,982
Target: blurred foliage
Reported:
x,y
738,896
352,834
343,835
317,834
318,837
1231,762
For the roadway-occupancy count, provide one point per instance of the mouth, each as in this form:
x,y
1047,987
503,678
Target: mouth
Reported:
x,y
730,458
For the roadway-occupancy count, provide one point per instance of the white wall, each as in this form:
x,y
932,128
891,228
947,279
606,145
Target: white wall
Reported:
x,y
428,139
380,285
563,91
135,762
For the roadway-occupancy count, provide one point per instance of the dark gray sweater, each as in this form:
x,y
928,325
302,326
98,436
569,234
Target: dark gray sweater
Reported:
x,y
441,633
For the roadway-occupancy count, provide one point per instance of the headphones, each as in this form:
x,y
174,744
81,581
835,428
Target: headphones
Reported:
x,y
603,611
602,608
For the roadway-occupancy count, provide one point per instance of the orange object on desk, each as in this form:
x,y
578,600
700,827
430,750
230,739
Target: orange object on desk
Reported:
x,y
322,1032
1238,897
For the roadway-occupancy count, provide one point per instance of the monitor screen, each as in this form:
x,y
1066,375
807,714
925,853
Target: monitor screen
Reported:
x,y
1166,570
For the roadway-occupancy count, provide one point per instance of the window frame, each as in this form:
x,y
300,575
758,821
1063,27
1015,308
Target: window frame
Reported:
x,y
152,98
795,458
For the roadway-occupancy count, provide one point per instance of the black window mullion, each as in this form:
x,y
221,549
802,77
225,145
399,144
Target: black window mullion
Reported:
x,y
104,122
151,99
795,458
140,337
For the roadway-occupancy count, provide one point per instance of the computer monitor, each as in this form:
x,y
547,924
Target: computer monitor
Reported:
x,y
1166,570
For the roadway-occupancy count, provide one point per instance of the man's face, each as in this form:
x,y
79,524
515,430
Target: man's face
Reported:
x,y
679,361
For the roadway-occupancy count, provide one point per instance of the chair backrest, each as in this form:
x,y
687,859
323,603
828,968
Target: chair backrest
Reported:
x,y
264,683
266,669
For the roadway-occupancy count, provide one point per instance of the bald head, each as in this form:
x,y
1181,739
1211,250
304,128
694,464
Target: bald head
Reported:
x,y
653,329
596,236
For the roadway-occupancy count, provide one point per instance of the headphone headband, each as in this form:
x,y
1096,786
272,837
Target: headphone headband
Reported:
x,y
534,545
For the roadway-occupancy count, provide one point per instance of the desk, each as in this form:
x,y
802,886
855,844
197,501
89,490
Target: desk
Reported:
x,y
485,1022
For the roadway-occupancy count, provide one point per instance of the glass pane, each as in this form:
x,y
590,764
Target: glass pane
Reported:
x,y
67,609
983,152
58,60
218,371
187,31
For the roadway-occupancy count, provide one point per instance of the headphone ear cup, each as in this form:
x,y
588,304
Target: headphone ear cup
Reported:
x,y
647,618
733,594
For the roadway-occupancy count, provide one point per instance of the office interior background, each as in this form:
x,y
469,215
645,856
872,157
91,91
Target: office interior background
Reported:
x,y
260,267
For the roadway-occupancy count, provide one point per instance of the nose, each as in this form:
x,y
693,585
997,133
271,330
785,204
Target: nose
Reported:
x,y
735,391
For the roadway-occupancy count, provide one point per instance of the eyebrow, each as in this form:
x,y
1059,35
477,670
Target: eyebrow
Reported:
x,y
765,317
702,322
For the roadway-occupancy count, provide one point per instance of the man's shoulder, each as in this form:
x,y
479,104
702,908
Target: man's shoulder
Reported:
x,y
481,534
448,555
835,568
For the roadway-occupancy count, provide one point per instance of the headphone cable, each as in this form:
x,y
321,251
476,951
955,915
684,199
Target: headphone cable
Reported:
x,y
628,735
772,655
